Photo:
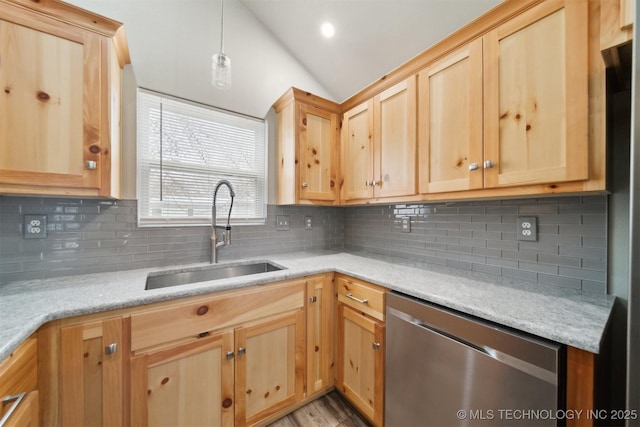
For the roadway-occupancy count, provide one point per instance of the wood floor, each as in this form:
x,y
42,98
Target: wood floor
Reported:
x,y
330,410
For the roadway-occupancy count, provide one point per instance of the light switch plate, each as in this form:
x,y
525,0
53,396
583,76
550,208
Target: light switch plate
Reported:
x,y
35,226
527,228
282,222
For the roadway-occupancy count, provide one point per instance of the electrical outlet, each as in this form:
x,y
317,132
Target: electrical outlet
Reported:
x,y
527,228
282,222
405,224
35,227
308,222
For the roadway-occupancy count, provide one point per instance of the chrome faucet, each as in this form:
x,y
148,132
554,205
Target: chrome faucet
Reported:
x,y
226,234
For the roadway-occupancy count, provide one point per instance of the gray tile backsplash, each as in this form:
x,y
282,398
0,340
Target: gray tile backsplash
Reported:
x,y
89,235
571,250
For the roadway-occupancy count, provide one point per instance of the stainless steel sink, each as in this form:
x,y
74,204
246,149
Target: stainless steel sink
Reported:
x,y
164,280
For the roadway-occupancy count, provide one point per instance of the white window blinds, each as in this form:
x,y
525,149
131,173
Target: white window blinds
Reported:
x,y
184,149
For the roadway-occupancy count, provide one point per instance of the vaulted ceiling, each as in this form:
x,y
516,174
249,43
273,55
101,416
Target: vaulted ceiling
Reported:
x,y
276,44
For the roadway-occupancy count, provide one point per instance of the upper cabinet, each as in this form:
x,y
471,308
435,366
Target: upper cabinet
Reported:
x,y
308,128
510,108
616,27
379,145
536,97
450,121
511,105
61,81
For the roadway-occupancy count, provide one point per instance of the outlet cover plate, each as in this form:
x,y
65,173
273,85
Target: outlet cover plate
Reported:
x,y
527,228
405,224
282,222
308,222
35,227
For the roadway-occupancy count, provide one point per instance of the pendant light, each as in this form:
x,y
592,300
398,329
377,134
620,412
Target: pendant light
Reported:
x,y
221,64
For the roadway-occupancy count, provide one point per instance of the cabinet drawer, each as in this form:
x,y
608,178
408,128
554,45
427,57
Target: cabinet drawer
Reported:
x,y
187,319
362,296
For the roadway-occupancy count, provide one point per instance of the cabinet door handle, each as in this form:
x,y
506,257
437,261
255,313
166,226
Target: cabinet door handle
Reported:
x,y
375,346
313,299
241,351
16,399
91,164
305,185
488,164
230,355
111,348
473,166
375,182
361,301
367,183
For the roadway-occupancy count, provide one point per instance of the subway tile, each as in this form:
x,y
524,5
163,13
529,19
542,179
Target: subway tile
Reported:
x,y
566,282
552,259
520,274
484,268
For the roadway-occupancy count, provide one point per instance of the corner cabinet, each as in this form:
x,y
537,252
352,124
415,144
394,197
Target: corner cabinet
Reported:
x,y
308,130
61,96
379,145
361,348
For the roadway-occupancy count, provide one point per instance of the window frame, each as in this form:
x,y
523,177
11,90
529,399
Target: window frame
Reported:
x,y
143,162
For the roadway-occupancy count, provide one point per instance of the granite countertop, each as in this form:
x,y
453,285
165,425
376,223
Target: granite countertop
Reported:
x,y
567,316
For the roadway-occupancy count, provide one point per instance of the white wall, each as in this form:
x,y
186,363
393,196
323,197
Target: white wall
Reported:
x,y
171,44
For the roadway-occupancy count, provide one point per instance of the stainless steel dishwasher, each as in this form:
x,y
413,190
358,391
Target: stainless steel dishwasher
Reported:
x,y
444,368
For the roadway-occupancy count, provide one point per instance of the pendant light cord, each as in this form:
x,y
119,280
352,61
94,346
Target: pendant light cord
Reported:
x,y
222,27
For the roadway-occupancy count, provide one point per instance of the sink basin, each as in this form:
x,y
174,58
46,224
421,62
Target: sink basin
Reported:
x,y
164,280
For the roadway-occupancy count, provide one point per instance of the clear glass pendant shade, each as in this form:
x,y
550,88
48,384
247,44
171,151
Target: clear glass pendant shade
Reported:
x,y
221,71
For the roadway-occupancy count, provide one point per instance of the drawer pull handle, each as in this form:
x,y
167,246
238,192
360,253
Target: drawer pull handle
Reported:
x,y
202,310
361,301
16,399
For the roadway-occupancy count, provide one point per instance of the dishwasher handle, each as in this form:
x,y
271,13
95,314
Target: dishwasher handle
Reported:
x,y
516,363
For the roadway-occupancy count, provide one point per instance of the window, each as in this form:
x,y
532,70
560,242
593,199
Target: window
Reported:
x,y
184,149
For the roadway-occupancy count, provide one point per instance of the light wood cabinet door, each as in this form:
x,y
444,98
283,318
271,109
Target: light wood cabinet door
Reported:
x,y
92,373
190,384
318,153
450,122
308,149
357,153
270,367
320,334
60,121
361,362
394,139
536,119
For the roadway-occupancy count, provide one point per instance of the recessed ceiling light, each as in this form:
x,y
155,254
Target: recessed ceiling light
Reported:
x,y
328,30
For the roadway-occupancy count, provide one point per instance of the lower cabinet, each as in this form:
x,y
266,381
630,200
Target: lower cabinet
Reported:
x,y
232,358
184,385
92,361
320,334
269,367
19,396
360,342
